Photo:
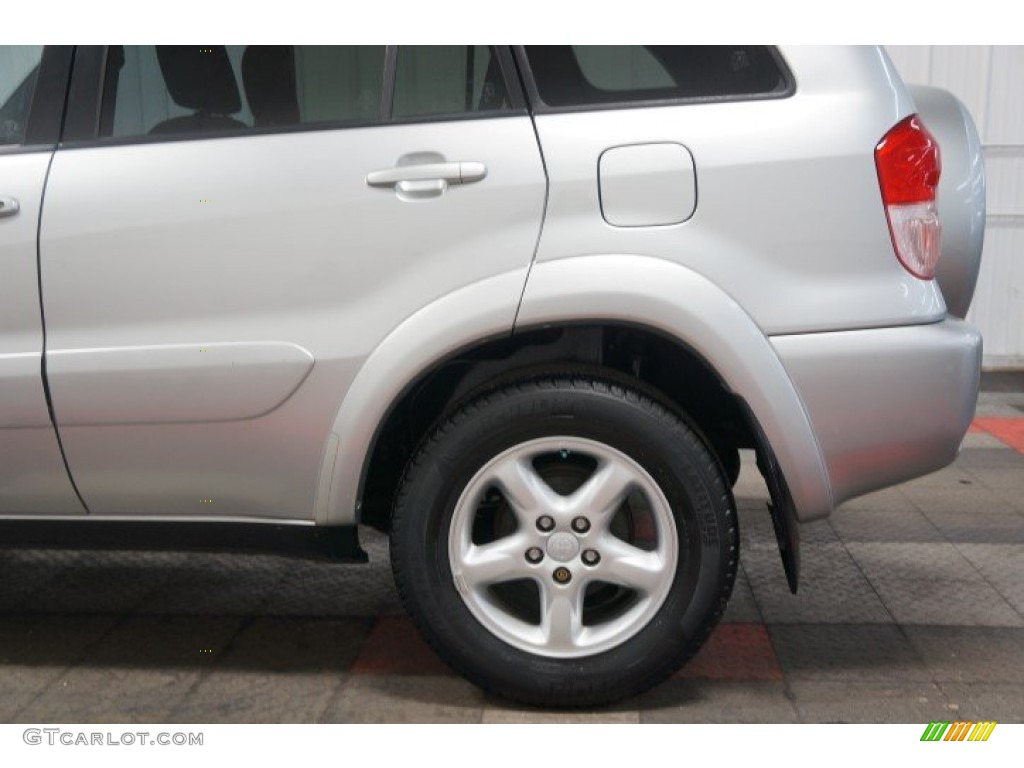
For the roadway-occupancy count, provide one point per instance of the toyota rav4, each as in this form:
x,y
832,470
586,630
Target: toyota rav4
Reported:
x,y
519,307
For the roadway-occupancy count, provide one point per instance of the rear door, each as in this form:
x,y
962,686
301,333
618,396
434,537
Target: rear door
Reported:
x,y
234,229
33,479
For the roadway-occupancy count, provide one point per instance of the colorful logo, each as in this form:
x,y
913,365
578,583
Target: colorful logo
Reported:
x,y
959,731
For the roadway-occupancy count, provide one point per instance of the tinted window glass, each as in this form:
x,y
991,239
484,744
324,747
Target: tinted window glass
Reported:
x,y
166,90
19,65
621,67
579,75
447,80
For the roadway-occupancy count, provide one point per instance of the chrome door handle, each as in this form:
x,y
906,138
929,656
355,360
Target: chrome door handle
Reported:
x,y
8,206
417,181
453,173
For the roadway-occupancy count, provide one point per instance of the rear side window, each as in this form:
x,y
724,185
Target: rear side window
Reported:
x,y
585,75
165,90
19,65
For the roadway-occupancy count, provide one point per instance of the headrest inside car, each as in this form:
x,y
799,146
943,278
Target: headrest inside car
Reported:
x,y
268,74
200,78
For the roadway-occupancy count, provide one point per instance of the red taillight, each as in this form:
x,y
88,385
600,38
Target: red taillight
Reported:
x,y
908,163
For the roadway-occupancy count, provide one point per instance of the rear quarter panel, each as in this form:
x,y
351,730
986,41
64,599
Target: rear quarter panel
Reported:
x,y
789,219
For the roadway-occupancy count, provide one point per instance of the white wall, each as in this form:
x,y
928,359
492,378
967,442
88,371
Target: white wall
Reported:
x,y
990,81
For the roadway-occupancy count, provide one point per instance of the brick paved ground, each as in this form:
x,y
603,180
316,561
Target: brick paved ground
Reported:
x,y
911,609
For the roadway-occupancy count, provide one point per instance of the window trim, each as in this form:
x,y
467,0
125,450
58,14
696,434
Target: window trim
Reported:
x,y
85,95
387,91
81,122
539,107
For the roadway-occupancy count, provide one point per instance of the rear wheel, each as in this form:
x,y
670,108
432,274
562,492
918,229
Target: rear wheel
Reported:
x,y
564,542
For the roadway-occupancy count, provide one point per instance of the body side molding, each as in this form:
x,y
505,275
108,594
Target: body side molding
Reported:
x,y
174,384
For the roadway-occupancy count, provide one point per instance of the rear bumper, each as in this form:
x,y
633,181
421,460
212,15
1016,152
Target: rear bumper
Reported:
x,y
886,405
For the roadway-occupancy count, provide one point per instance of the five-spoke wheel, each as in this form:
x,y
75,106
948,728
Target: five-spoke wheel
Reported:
x,y
566,572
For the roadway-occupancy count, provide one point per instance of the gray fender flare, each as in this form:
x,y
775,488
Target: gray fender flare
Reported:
x,y
668,297
477,312
639,290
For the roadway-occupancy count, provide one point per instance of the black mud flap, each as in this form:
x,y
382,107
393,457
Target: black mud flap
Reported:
x,y
787,529
781,508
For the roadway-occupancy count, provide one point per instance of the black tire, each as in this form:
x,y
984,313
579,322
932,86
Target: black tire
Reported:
x,y
624,423
729,457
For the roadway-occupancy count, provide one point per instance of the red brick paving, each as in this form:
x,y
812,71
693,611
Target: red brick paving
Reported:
x,y
395,647
1009,431
735,652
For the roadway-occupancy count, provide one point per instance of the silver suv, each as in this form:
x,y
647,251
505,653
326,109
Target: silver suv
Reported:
x,y
520,307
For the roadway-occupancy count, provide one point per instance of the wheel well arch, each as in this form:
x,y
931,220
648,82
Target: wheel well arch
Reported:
x,y
662,366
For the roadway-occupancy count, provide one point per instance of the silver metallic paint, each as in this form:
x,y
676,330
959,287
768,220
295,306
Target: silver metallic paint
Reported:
x,y
33,479
887,404
647,185
789,199
789,218
175,383
250,240
277,239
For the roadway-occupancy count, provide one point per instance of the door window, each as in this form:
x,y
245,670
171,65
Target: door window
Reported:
x,y
19,65
435,80
189,90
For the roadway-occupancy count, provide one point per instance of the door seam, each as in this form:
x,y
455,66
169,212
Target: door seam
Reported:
x,y
42,320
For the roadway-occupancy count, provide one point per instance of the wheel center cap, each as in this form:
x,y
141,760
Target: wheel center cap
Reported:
x,y
563,547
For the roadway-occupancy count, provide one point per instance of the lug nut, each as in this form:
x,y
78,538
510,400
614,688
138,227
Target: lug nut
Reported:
x,y
591,557
562,575
545,523
581,525
534,555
